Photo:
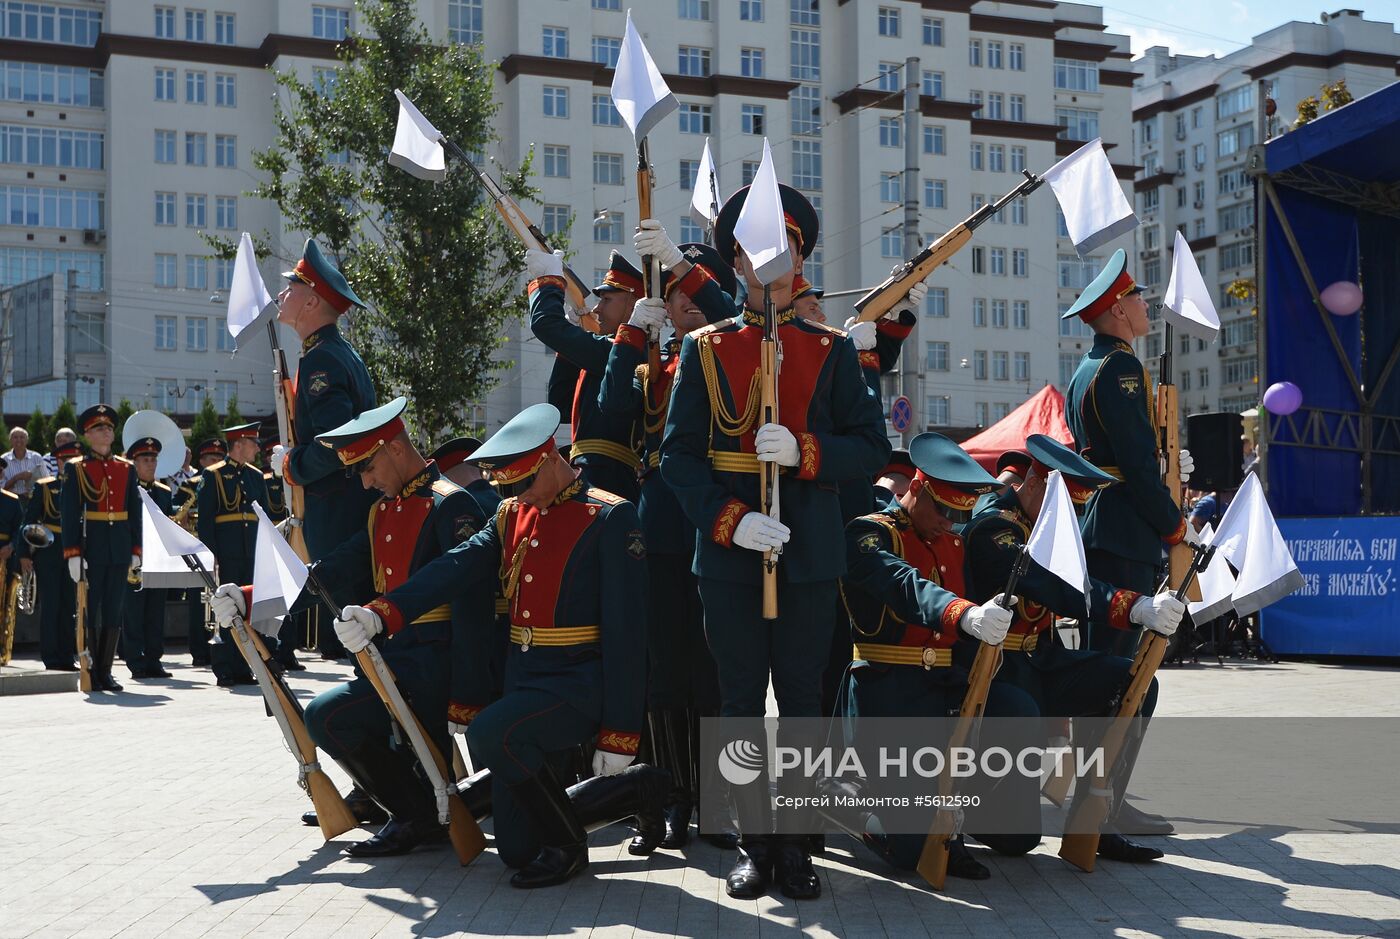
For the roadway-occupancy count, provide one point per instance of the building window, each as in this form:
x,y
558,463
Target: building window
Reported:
x,y
165,84
974,52
996,158
196,210
165,22
751,63
751,119
891,187
932,84
939,410
695,118
604,114
195,147
979,365
47,23
807,164
607,4
979,259
226,91
554,220
194,25
329,22
37,207
689,172
196,333
1235,140
464,22
165,325
888,79
1075,273
936,303
935,139
224,392
998,311
805,103
977,156
222,340
165,276
225,150
608,231
1235,101
935,194
1240,371
751,11
936,356
996,106
1020,262
747,171
892,242
556,160
225,211
1020,314
1231,181
554,42
694,9
1016,108
607,169
556,101
888,21
694,61
1076,75
165,208
1078,124
224,33
167,392
1022,364
890,135
1151,200
994,49
689,231
165,146
1016,57
1001,366
805,51
933,31
1238,254
223,275
195,87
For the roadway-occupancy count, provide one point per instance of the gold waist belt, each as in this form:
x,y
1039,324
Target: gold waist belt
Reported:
x,y
654,459
903,655
438,615
527,636
1113,471
611,449
235,517
730,462
105,516
1021,642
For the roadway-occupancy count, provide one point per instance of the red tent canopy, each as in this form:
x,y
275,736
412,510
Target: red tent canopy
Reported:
x,y
1043,413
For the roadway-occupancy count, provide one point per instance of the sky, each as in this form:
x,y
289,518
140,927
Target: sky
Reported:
x,y
1202,27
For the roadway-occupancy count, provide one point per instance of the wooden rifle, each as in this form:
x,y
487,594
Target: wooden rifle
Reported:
x,y
286,431
933,859
1080,843
768,470
80,618
462,828
651,268
1179,556
895,288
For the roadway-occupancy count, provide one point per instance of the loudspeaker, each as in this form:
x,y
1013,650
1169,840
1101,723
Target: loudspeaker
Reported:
x,y
1215,445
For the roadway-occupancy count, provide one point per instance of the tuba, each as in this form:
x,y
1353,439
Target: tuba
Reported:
x,y
37,537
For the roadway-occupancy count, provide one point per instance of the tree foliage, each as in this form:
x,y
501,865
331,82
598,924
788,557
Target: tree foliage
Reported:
x,y
206,423
64,416
38,428
433,261
232,418
124,410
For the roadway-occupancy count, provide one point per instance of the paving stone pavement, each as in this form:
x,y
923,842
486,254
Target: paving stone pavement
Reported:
x,y
171,811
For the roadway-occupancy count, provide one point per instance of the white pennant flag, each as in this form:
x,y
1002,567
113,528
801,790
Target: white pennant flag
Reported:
x,y
639,93
164,543
760,229
278,577
1187,301
1096,211
704,200
1055,543
417,146
1249,539
1217,585
248,299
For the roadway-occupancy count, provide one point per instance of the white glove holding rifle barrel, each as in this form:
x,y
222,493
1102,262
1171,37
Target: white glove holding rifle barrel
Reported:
x,y
990,621
75,569
1161,614
356,626
651,239
913,301
227,605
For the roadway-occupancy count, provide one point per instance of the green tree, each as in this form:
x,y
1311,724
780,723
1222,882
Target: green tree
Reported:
x,y
206,423
233,418
124,410
64,416
38,428
433,261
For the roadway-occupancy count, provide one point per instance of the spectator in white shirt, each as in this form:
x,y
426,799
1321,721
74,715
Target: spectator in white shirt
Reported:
x,y
60,437
23,465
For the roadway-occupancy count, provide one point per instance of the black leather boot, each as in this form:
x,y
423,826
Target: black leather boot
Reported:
x,y
564,844
106,655
475,792
679,745
638,792
715,822
365,809
1116,847
753,869
792,868
392,778
654,751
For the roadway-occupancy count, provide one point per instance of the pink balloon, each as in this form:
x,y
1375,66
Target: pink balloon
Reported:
x,y
1342,298
1283,398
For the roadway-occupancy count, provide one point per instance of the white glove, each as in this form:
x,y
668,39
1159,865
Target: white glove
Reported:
x,y
913,301
610,764
651,239
1187,465
227,604
649,313
75,568
356,627
862,334
1192,536
278,459
1161,614
774,443
758,532
136,563
453,728
988,622
543,264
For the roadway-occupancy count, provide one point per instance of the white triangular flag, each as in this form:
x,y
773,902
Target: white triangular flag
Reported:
x,y
1096,211
417,146
1217,585
760,229
164,544
278,577
639,93
248,299
1055,543
1249,539
1187,301
704,200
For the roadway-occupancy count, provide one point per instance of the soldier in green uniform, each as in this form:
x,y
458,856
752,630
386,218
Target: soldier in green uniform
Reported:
x,y
143,631
682,686
1063,682
831,430
332,386
186,502
101,535
228,526
55,590
11,520
571,560
604,445
1108,406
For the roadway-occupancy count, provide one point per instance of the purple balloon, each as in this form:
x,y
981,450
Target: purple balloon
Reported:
x,y
1283,398
1342,298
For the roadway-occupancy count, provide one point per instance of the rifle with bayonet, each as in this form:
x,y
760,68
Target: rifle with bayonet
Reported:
x,y
1179,555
